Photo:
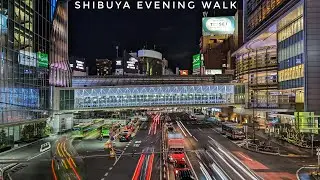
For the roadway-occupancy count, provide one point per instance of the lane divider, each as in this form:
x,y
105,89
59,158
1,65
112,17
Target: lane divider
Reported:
x,y
138,168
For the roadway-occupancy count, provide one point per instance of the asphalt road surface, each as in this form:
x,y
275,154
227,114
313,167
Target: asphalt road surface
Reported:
x,y
265,166
98,164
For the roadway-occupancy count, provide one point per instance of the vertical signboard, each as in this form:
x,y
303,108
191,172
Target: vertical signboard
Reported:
x,y
42,60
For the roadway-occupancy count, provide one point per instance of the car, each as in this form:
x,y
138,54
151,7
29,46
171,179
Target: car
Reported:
x,y
124,139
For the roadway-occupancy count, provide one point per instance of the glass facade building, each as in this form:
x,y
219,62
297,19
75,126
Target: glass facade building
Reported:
x,y
24,68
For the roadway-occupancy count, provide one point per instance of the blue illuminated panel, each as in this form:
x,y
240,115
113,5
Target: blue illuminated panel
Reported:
x,y
53,7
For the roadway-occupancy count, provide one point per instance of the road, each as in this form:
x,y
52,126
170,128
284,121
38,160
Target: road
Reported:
x,y
98,164
34,160
230,157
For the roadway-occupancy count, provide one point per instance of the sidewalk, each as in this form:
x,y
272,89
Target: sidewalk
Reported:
x,y
285,148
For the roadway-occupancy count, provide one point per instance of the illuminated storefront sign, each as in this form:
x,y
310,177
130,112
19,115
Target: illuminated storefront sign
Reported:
x,y
184,72
43,60
218,25
27,58
196,63
213,71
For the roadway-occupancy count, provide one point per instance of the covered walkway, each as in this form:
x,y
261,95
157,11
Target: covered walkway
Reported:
x,y
149,96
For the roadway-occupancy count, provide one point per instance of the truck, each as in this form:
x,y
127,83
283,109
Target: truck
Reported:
x,y
175,146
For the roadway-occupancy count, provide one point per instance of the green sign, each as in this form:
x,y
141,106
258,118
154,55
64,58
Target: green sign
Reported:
x,y
305,122
196,61
42,60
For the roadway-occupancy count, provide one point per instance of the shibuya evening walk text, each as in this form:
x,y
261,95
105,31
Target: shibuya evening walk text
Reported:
x,y
157,5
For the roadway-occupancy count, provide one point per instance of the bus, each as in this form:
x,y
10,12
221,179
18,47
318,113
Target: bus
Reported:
x,y
82,130
233,131
105,131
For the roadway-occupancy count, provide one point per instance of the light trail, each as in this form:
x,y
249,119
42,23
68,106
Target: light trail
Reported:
x,y
138,168
186,129
223,175
150,164
181,128
235,171
205,172
53,171
235,160
189,162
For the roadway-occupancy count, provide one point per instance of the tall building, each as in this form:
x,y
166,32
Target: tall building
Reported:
x,y
218,42
60,72
104,67
279,59
150,62
24,69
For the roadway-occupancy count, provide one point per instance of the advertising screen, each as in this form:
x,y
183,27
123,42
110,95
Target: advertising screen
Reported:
x,y
79,66
131,64
42,59
27,58
218,25
196,63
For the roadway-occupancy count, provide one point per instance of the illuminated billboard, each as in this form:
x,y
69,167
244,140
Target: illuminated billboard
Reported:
x,y
213,71
305,122
183,72
27,58
196,63
131,64
43,60
218,25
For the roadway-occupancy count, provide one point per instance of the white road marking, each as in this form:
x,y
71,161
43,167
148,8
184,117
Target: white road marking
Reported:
x,y
110,168
106,174
37,155
102,178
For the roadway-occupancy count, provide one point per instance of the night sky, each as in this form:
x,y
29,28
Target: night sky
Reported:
x,y
176,33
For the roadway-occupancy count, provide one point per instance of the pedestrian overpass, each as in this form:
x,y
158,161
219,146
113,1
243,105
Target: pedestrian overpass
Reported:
x,y
107,97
